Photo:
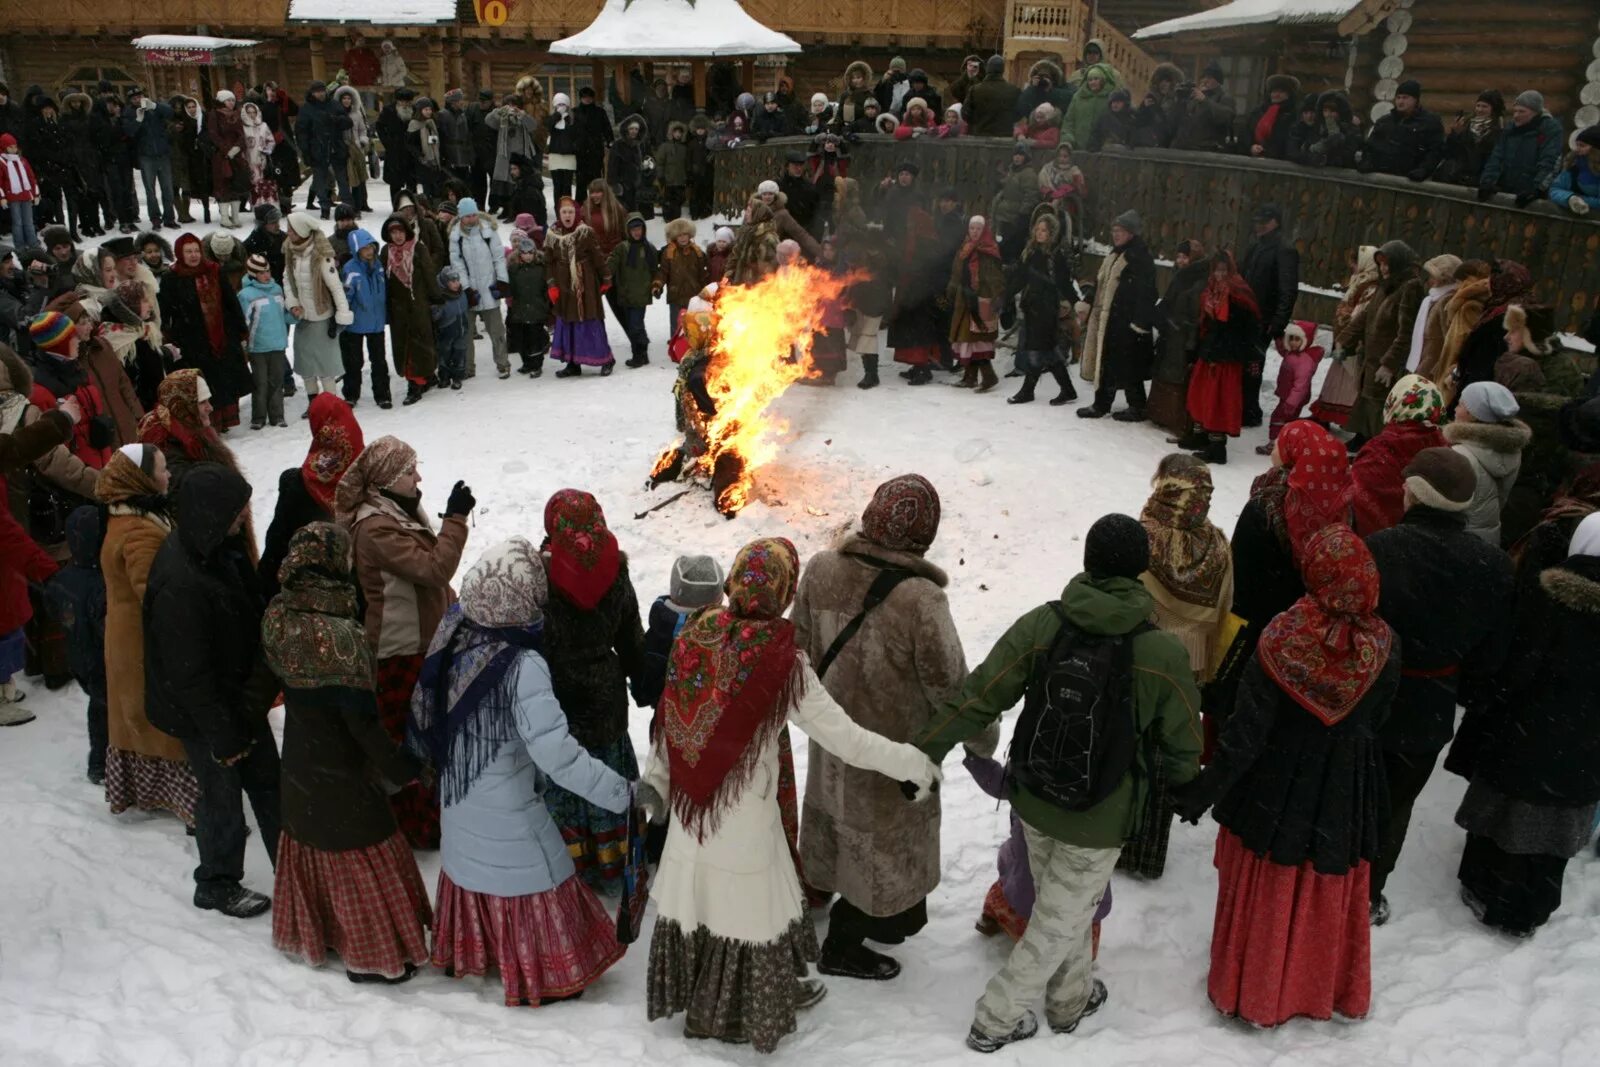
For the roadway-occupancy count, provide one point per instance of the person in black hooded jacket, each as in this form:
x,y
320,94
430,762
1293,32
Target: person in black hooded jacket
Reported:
x,y
206,681
1338,137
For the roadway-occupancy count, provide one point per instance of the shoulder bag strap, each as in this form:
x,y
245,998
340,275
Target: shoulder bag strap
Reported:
x,y
882,585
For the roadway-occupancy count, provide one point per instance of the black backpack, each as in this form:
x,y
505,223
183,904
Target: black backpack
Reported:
x,y
1076,737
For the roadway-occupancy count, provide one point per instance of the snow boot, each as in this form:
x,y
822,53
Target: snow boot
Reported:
x,y
987,376
455,384
1195,438
1025,394
855,961
1216,450
1064,379
920,375
978,1041
571,370
969,376
527,365
503,372
1093,411
605,371
413,394
233,900
11,711
809,994
869,375
364,977
1097,997
538,367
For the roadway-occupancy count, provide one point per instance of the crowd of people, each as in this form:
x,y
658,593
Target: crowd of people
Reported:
x,y
484,712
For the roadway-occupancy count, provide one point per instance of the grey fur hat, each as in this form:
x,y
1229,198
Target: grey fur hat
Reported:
x,y
696,581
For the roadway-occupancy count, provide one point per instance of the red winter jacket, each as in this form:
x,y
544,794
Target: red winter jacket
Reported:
x,y
1379,497
17,181
21,560
96,421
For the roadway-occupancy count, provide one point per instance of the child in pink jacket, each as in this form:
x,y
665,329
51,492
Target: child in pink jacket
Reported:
x,y
1300,359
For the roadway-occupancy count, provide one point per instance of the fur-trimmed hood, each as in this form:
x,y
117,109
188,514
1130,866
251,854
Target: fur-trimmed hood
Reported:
x,y
76,103
1339,100
867,79
1571,590
1047,69
1508,438
854,541
1166,72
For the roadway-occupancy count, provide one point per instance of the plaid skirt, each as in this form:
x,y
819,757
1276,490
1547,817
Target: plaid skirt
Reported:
x,y
596,839
416,808
150,783
550,944
366,904
1145,853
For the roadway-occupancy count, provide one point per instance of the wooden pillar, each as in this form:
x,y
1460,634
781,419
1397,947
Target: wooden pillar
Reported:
x,y
619,77
283,68
436,68
485,75
458,66
747,73
597,81
699,68
319,69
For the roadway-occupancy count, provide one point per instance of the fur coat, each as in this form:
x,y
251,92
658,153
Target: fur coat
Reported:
x,y
858,836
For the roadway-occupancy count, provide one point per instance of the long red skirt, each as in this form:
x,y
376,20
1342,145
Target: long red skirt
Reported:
x,y
367,904
416,809
1288,941
1216,401
551,944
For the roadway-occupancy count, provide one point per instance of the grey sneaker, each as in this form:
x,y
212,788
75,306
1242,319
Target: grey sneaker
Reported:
x,y
1097,997
978,1041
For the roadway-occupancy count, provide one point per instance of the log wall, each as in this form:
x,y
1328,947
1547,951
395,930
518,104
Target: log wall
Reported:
x,y
1327,213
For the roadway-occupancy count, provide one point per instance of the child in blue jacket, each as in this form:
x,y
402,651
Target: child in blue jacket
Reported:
x,y
367,291
267,320
450,335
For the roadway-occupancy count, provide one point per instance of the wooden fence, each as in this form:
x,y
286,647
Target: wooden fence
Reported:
x,y
1328,214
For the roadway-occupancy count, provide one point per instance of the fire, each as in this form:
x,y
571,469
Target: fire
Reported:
x,y
762,347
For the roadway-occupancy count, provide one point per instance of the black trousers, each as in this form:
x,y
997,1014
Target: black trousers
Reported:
x,y
1407,773
1104,397
478,182
527,338
99,733
672,202
1250,385
561,183
849,925
219,816
350,350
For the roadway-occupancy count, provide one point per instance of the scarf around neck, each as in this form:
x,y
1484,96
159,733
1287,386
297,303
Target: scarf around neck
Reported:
x,y
207,287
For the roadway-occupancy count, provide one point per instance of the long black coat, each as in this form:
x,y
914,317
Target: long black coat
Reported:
x,y
205,678
1271,266
1447,593
1127,345
1179,313
411,312
1295,789
1266,582
295,509
1538,740
1041,279
591,136
183,324
592,654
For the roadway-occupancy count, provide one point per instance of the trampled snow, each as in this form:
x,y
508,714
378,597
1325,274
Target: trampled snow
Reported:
x,y
104,961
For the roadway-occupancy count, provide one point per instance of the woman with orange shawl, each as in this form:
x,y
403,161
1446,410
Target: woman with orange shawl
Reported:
x,y
305,493
1229,336
202,317
1297,780
977,285
732,939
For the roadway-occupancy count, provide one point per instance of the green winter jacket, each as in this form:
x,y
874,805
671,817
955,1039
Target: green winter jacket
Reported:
x,y
1087,107
1018,195
672,159
632,266
530,298
1166,706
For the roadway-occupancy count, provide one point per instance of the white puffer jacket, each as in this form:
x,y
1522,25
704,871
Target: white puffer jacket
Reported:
x,y
1495,451
480,256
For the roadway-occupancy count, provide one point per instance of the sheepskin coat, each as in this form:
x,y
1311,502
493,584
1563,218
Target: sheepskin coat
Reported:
x,y
858,836
1495,451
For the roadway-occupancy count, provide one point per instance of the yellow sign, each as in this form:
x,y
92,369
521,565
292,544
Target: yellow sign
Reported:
x,y
493,12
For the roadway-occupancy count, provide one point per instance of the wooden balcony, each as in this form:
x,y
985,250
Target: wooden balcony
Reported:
x,y
1032,29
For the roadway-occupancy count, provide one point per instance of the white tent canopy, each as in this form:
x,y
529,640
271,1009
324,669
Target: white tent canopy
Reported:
x,y
674,29
177,41
1252,13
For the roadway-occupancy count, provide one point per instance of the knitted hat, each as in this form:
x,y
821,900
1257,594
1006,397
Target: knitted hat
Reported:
x,y
1410,87
1116,547
696,581
768,186
903,515
1129,220
1495,101
267,213
257,263
446,209
52,332
1532,99
723,233
1214,70
1489,402
225,96
466,206
898,63
1442,268
1441,478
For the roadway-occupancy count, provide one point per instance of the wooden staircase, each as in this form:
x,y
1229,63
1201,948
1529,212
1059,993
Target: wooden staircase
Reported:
x,y
1059,28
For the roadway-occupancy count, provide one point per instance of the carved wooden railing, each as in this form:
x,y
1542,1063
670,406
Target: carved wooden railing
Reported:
x,y
1063,27
1327,213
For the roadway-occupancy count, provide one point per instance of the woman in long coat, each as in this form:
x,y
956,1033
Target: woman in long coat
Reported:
x,y
191,159
577,266
860,838
404,568
486,716
1342,385
346,878
732,938
412,290
1382,329
230,161
1118,344
1190,578
305,493
1531,752
977,285
1179,315
1297,781
203,319
145,768
594,644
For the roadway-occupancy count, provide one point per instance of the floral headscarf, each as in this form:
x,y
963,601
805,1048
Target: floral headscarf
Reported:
x,y
584,557
335,443
1414,399
1328,650
1188,554
1311,489
312,634
732,680
378,466
175,420
208,289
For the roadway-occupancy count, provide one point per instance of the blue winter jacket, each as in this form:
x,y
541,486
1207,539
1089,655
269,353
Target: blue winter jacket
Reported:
x,y
500,838
449,316
265,315
365,286
1580,181
1525,158
149,134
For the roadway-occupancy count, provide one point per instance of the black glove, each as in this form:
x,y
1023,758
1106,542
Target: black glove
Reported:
x,y
1008,317
333,327
461,502
472,298
1189,800
910,790
1485,193
1524,199
102,432
1419,175
498,290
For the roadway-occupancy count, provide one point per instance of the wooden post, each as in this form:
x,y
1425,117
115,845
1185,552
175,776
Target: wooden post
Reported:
x,y
597,80
485,75
747,74
319,69
436,68
699,68
619,78
458,66
283,68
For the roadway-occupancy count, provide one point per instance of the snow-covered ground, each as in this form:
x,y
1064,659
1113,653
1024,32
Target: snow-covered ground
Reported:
x,y
103,959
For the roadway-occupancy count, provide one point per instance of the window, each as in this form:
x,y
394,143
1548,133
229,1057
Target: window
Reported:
x,y
86,79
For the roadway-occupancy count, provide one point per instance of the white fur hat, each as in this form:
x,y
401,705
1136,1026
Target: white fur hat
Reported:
x,y
768,186
225,96
1294,332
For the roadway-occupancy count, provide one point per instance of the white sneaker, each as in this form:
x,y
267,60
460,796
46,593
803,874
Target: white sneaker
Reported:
x,y
12,713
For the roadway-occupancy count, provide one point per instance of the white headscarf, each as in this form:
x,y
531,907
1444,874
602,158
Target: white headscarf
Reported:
x,y
1586,538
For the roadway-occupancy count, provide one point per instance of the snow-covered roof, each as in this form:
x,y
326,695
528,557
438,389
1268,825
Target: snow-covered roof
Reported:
x,y
386,13
1252,13
674,28
198,42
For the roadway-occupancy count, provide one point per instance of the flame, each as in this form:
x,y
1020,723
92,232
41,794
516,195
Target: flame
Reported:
x,y
762,346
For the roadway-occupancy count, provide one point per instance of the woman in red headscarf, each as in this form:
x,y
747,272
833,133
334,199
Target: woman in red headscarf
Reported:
x,y
732,939
1297,780
1229,337
594,644
305,493
977,285
202,317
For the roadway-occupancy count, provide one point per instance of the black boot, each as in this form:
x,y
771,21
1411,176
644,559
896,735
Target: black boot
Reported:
x,y
986,376
527,365
1063,378
1194,439
571,370
641,356
538,367
842,960
413,394
920,375
1025,394
234,901
869,377
1216,450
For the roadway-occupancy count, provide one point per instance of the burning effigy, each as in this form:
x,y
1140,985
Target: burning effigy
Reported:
x,y
742,354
